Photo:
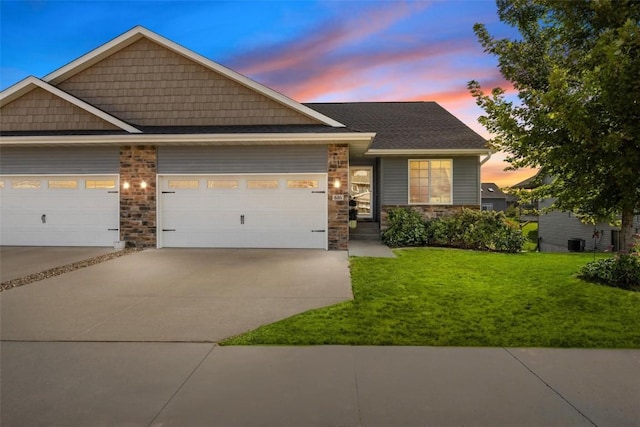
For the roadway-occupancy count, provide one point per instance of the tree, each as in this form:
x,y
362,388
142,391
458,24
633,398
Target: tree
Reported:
x,y
576,70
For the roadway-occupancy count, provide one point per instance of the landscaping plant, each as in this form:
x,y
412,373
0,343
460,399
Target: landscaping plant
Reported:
x,y
405,228
621,271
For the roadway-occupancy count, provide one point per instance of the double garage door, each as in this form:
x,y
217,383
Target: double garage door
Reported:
x,y
243,211
226,211
57,210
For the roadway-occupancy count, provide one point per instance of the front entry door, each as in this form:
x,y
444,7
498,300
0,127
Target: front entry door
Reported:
x,y
361,189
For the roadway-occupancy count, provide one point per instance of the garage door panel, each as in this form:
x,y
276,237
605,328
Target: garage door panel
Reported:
x,y
272,216
59,217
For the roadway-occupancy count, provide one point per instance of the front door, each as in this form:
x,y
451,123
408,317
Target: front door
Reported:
x,y
361,189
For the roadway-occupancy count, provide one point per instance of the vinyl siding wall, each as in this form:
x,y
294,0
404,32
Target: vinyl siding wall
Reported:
x,y
395,180
556,228
247,159
59,160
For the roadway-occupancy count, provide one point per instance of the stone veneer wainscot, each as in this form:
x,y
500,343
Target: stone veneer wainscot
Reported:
x,y
138,205
338,217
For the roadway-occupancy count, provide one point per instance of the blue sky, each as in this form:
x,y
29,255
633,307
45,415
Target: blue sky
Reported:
x,y
311,51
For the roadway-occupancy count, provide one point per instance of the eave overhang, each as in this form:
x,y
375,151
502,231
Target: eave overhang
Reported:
x,y
358,142
428,152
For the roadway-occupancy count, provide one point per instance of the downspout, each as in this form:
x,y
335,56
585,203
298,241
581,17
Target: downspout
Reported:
x,y
482,162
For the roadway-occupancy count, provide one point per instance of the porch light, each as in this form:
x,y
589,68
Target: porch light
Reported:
x,y
336,183
143,184
126,185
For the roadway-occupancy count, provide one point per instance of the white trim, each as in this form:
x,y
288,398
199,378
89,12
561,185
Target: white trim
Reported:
x,y
409,183
428,152
208,139
25,86
139,32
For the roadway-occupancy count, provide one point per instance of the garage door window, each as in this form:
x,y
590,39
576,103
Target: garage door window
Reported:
x,y
93,184
184,184
262,184
1,185
302,183
25,184
63,184
223,184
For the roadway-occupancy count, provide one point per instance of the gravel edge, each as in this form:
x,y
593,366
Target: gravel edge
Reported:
x,y
57,271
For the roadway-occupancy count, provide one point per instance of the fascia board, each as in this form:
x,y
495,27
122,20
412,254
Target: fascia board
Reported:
x,y
428,152
204,139
138,32
25,86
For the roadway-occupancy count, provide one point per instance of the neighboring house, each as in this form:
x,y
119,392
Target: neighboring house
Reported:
x,y
144,141
564,231
493,199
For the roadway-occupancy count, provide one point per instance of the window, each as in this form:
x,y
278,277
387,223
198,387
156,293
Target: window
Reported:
x,y
1,185
487,206
225,184
63,184
183,184
98,184
430,181
262,184
25,184
302,183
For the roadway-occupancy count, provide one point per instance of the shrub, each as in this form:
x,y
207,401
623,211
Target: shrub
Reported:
x,y
474,229
405,228
622,271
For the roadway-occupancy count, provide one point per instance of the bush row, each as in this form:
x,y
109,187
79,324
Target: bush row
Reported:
x,y
469,229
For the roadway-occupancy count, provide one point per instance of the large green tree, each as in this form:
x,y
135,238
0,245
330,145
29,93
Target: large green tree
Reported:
x,y
575,66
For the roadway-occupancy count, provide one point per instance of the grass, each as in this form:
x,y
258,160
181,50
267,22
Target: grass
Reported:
x,y
530,231
448,297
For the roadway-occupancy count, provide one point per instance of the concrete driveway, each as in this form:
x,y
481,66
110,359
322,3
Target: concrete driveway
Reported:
x,y
175,295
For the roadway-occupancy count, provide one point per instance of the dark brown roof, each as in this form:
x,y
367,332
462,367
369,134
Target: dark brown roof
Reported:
x,y
404,125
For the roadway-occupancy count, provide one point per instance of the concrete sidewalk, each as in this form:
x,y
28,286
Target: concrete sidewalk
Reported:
x,y
191,384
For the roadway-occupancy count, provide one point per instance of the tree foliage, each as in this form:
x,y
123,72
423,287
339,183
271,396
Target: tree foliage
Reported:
x,y
576,69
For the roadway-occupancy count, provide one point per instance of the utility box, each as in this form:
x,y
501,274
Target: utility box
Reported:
x,y
576,244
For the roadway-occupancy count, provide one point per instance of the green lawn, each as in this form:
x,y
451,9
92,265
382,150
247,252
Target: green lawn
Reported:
x,y
530,231
447,297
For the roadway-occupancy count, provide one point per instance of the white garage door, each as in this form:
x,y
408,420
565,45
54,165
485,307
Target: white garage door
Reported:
x,y
244,211
59,210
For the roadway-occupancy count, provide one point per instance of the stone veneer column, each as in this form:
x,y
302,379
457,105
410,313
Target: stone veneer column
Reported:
x,y
138,164
338,169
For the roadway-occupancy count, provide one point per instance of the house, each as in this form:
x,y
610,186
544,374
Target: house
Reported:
x,y
144,141
560,231
493,199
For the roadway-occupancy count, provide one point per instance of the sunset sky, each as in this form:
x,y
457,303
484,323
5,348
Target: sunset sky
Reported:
x,y
311,51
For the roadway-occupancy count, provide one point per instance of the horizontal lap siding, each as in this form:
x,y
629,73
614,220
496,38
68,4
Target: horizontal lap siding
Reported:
x,y
258,159
395,180
60,160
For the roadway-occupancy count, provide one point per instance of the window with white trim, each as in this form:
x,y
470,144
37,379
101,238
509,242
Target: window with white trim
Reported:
x,y
430,182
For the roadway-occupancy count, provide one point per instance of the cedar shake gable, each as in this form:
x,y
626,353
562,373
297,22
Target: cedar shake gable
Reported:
x,y
147,80
35,106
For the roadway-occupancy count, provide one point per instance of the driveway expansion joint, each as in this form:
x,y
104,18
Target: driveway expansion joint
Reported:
x,y
550,386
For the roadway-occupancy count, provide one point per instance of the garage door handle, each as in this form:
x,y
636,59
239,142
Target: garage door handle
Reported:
x,y
43,218
168,229
112,229
318,192
242,219
168,192
318,231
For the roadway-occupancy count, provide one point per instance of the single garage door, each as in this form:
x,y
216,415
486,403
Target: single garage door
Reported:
x,y
244,211
72,210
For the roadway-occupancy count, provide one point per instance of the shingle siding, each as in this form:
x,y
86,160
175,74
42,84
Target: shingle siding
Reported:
x,y
149,85
394,171
40,110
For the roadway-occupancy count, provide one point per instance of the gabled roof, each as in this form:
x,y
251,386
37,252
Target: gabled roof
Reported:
x,y
406,127
491,191
139,32
530,183
30,83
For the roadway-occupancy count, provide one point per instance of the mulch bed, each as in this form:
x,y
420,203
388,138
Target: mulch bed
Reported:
x,y
14,283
